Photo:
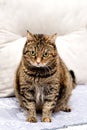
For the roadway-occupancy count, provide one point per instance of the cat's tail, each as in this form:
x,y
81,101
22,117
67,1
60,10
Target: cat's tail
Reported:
x,y
73,78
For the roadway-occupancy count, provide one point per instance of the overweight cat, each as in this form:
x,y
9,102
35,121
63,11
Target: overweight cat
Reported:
x,y
42,80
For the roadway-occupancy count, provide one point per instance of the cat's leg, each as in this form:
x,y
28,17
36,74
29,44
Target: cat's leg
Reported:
x,y
31,110
64,96
47,112
28,101
25,95
49,103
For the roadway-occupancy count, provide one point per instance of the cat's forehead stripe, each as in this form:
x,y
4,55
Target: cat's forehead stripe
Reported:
x,y
40,38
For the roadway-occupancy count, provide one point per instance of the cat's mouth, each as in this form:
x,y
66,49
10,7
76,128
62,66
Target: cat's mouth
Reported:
x,y
38,65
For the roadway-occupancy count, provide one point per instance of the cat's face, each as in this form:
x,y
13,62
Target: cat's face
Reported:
x,y
40,50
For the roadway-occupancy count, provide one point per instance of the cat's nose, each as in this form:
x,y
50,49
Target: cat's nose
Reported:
x,y
38,60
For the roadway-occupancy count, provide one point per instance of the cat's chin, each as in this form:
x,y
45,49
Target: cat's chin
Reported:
x,y
38,65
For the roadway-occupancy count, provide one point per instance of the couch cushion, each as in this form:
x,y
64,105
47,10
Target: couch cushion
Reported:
x,y
73,50
47,16
10,55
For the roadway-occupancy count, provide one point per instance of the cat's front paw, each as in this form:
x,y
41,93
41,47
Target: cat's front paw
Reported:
x,y
32,119
46,119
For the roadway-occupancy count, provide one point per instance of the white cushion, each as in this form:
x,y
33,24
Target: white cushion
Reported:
x,y
10,55
43,16
73,50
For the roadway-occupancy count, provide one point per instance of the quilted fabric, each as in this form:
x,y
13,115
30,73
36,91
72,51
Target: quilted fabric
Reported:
x,y
12,117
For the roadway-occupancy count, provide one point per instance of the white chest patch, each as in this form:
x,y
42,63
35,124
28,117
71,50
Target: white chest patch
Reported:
x,y
39,95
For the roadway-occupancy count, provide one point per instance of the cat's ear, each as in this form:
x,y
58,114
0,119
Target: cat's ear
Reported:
x,y
53,37
30,36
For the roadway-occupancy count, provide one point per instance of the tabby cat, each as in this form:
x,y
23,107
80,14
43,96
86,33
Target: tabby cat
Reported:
x,y
42,80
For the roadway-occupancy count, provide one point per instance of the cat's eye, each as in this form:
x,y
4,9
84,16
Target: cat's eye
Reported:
x,y
33,53
45,54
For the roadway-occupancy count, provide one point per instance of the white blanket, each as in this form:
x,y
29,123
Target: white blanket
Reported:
x,y
12,117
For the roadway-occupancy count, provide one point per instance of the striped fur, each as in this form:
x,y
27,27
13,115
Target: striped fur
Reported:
x,y
42,80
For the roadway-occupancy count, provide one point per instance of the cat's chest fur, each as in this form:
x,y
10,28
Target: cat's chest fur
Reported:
x,y
40,91
39,94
